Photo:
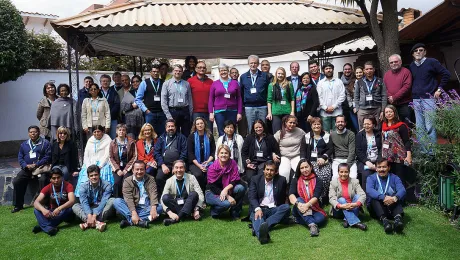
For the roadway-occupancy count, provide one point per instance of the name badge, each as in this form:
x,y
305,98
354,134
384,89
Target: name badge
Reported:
x,y
121,163
386,146
33,155
180,100
180,201
95,118
142,200
156,98
283,102
368,97
227,95
253,90
260,154
314,154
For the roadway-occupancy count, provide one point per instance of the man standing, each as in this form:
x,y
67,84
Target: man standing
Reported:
x,y
82,94
148,99
139,205
190,67
164,68
126,87
243,123
370,96
294,78
398,81
424,83
331,93
265,67
113,99
267,199
254,85
386,193
316,76
200,85
171,146
116,77
348,80
344,148
177,102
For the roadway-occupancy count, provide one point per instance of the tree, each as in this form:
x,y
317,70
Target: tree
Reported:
x,y
385,34
46,52
14,46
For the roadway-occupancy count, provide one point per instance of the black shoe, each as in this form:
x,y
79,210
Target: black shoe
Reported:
x,y
16,209
53,232
253,232
361,226
345,224
143,224
291,220
250,225
387,226
398,225
246,219
263,233
124,223
37,229
169,221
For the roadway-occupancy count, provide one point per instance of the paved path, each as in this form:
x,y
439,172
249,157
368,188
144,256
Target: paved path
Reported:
x,y
9,167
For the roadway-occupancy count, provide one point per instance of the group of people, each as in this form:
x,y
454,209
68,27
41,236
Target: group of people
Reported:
x,y
150,147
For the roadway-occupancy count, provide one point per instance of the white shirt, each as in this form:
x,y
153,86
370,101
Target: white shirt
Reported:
x,y
268,200
331,93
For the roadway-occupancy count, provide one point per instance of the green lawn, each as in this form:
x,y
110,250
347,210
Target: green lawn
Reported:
x,y
428,235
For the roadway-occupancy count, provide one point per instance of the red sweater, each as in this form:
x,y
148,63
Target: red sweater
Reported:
x,y
399,85
141,155
345,194
200,93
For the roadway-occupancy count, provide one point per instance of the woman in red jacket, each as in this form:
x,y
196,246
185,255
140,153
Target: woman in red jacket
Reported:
x,y
144,146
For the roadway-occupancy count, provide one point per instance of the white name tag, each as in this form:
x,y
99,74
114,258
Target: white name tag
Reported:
x,y
314,154
121,163
156,98
180,201
283,102
180,100
95,118
227,95
33,155
260,154
253,90
369,98
142,200
386,146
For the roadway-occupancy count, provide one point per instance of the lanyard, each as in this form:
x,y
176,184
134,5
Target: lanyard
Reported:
x,y
147,147
315,143
95,196
105,95
182,189
226,83
330,85
229,143
369,88
155,88
140,184
55,195
253,80
282,92
95,145
386,186
259,145
97,105
267,194
386,135
121,147
168,145
32,145
179,89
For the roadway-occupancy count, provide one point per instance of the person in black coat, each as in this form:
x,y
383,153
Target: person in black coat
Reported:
x,y
258,148
306,101
64,154
368,149
267,197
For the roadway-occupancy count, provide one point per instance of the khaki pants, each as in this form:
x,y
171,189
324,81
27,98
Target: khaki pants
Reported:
x,y
373,112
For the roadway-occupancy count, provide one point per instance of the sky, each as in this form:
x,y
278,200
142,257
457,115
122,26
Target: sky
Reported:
x,y
66,8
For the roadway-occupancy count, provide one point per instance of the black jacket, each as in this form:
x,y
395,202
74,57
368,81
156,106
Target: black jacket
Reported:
x,y
70,154
361,145
324,148
257,190
248,150
316,193
311,105
191,148
299,82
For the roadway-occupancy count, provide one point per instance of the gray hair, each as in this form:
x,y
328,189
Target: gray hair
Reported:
x,y
178,66
223,66
395,55
252,56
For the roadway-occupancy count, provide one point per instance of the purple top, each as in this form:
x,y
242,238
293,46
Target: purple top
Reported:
x,y
218,101
229,172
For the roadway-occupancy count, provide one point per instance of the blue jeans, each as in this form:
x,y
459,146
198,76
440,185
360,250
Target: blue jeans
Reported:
x,y
157,120
206,117
142,211
253,113
351,216
424,122
113,128
218,207
317,218
272,216
46,224
223,116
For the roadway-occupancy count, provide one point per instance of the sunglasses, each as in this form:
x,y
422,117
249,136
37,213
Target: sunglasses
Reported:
x,y
419,50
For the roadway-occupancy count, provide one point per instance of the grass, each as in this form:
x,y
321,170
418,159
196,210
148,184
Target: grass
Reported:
x,y
428,235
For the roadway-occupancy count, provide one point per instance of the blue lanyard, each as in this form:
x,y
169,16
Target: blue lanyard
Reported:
x,y
147,147
32,145
269,192
331,85
105,95
97,105
55,195
386,186
95,145
315,143
168,145
182,189
121,147
259,145
253,80
153,84
140,184
369,88
386,135
229,144
179,89
226,83
282,92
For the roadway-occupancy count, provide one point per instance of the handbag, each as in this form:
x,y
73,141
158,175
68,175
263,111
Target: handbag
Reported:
x,y
41,169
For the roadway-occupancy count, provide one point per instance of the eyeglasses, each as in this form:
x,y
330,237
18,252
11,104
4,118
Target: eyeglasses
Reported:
x,y
419,50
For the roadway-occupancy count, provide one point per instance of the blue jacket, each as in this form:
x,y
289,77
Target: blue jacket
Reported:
x,y
258,99
160,147
42,152
395,187
103,192
114,102
424,78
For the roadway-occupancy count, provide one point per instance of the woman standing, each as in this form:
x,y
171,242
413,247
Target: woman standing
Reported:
x,y
201,149
134,118
368,149
224,190
304,191
62,111
122,157
350,92
317,148
306,102
44,109
95,111
396,146
288,139
280,99
97,152
224,100
65,154
234,141
144,146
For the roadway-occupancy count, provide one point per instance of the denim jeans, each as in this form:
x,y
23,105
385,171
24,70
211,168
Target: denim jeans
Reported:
x,y
223,116
328,123
157,120
206,117
253,113
113,128
316,218
218,207
272,216
46,224
142,211
424,117
351,216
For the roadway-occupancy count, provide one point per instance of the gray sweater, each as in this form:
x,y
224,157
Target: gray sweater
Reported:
x,y
344,146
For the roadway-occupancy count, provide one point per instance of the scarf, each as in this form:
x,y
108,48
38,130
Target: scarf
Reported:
x,y
228,172
385,127
301,97
207,147
346,80
302,189
278,96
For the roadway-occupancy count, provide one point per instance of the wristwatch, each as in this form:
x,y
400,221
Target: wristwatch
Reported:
x,y
257,209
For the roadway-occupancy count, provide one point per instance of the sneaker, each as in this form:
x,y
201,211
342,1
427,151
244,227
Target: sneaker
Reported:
x,y
387,226
263,233
361,226
169,221
37,229
345,224
143,224
83,226
314,231
124,223
100,226
53,232
398,225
